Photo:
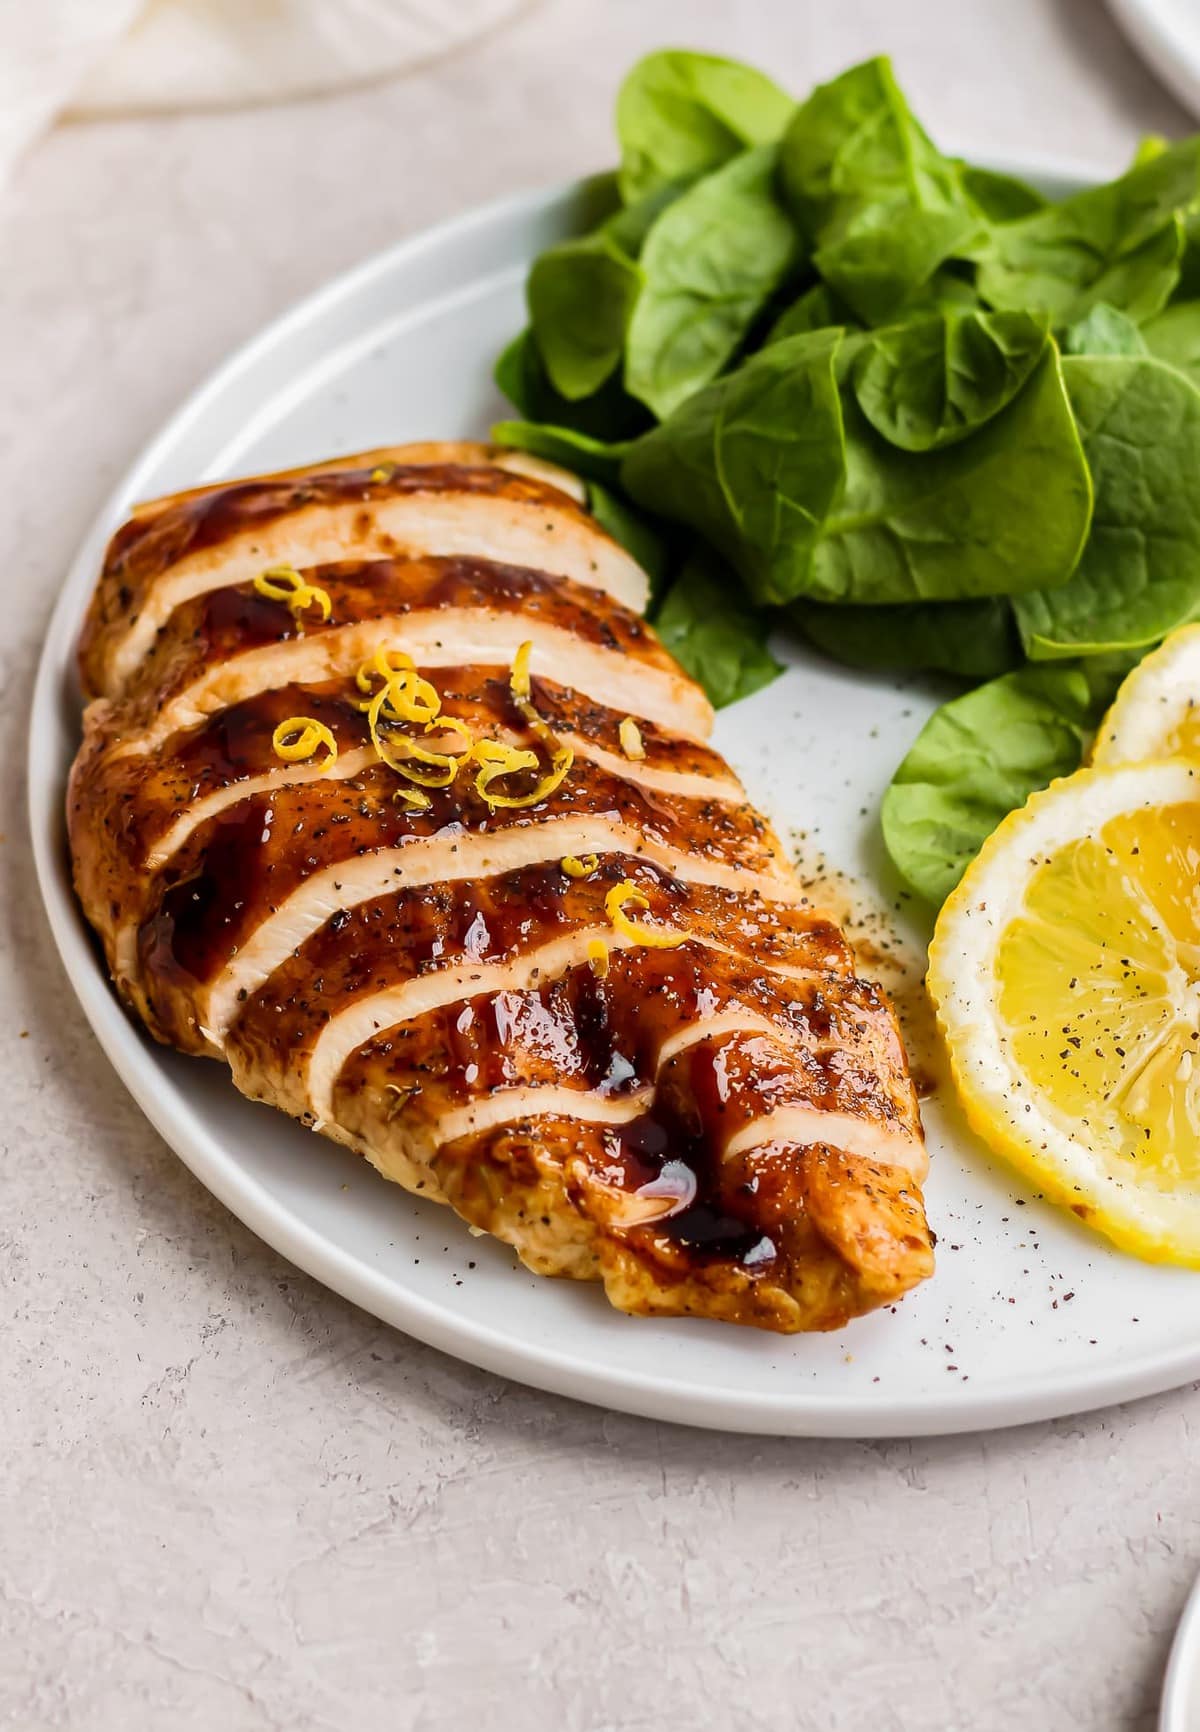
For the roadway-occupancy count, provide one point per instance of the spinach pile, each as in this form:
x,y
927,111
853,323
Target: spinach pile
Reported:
x,y
818,375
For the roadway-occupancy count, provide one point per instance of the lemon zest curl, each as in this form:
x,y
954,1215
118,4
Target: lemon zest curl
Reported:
x,y
300,738
656,938
284,583
407,697
630,736
422,764
498,760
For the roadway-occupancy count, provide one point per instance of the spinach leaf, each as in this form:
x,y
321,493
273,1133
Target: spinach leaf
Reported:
x,y
583,292
1139,576
855,142
1104,331
710,630
816,310
627,228
753,462
977,759
595,458
931,382
975,640
1004,510
1188,286
880,203
1148,147
1174,336
515,374
581,296
710,264
681,114
944,291
792,483
636,534
999,198
610,414
884,254
1119,243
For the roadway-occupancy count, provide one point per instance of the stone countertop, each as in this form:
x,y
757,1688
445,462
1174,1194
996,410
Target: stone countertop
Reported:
x,y
230,1500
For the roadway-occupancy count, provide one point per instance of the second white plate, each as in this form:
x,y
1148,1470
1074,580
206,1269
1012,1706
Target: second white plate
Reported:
x,y
1166,33
1027,1316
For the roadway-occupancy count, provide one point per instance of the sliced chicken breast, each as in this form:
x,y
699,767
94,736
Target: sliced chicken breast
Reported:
x,y
424,839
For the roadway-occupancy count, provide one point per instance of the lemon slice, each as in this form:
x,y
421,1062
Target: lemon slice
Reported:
x,y
1156,713
1065,971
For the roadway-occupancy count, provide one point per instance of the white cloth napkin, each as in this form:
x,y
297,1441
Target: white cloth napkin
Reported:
x,y
46,50
102,57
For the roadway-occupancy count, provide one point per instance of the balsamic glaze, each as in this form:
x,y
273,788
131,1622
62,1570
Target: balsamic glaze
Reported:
x,y
675,1151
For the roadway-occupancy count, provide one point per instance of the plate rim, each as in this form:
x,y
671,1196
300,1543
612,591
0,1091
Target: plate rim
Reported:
x,y
1170,53
1181,1680
531,1362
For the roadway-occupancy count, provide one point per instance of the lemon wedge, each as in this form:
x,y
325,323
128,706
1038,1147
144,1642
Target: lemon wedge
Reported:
x,y
1065,972
1156,713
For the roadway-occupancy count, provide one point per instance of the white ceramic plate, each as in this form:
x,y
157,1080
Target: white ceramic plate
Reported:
x,y
1180,1709
1166,33
1028,1316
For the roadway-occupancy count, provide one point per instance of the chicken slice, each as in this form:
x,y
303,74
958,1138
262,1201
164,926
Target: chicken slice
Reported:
x,y
214,537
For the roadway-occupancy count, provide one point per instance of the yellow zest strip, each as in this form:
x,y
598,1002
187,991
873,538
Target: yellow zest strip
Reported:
x,y
284,583
630,736
406,696
518,685
409,698
597,955
405,755
300,737
518,679
574,867
393,691
655,937
499,760
403,696
381,666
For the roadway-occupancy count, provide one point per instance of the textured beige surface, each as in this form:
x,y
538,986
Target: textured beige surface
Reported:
x,y
227,1500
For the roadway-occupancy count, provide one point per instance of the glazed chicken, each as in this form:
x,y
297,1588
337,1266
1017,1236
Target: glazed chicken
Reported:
x,y
390,798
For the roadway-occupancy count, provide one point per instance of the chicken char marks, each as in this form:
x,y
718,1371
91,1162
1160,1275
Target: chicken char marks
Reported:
x,y
657,1067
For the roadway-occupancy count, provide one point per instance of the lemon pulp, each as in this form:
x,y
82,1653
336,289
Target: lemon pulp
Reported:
x,y
1098,980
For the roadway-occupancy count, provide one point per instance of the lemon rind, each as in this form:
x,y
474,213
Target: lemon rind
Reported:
x,y
1150,703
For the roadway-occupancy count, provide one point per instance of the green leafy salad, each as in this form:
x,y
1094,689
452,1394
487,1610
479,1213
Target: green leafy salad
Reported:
x,y
818,375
